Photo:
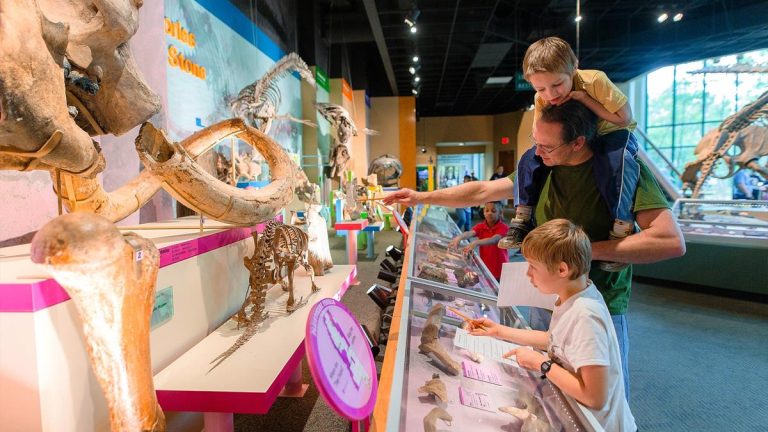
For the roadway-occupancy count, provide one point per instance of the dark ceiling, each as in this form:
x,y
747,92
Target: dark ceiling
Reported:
x,y
462,43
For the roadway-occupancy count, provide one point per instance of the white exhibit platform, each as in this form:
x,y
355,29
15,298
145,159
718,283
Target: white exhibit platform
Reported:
x,y
46,382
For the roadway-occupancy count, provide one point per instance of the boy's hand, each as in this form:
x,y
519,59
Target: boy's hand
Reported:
x,y
408,197
527,358
454,243
483,327
469,248
577,95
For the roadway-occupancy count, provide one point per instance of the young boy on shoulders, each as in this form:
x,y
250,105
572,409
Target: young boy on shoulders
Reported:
x,y
552,69
582,354
488,233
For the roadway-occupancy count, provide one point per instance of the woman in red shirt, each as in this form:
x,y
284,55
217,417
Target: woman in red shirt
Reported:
x,y
488,233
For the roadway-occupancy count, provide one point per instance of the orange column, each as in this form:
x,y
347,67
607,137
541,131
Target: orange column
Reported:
x,y
407,123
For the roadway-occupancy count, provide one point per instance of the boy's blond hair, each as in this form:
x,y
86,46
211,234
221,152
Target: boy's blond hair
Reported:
x,y
556,241
550,54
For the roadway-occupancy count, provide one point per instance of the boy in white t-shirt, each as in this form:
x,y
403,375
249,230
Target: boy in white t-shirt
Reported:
x,y
582,351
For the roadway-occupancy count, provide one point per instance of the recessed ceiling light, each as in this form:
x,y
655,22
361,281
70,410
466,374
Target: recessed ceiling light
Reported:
x,y
578,18
414,29
662,17
414,91
415,59
678,16
498,80
417,79
412,70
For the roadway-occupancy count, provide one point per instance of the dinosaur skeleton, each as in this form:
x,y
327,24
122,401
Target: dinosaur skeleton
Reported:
x,y
279,249
716,144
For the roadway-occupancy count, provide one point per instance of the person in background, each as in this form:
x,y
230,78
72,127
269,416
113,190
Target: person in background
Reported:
x,y
499,173
552,69
464,214
582,353
488,233
746,186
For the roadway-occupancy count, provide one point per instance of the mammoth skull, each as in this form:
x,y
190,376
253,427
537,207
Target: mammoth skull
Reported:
x,y
66,66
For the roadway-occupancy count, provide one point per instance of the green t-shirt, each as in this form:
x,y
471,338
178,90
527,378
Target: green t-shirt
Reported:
x,y
571,192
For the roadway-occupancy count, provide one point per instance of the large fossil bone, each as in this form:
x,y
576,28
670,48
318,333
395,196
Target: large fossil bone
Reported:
x,y
201,191
111,279
430,339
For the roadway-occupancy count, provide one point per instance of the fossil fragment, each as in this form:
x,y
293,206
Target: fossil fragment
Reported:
x,y
430,340
437,413
111,279
435,387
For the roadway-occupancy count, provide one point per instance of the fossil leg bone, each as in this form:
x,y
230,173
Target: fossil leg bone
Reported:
x,y
111,279
430,420
430,340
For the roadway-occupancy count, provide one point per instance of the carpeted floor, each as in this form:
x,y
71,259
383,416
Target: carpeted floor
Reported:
x,y
698,362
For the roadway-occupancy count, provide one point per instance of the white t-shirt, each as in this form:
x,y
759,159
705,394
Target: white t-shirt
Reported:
x,y
582,334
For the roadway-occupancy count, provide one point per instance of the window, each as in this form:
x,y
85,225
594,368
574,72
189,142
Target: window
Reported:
x,y
684,102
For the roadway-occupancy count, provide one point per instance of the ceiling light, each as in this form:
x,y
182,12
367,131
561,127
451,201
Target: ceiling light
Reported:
x,y
415,59
412,16
414,29
578,18
461,143
502,80
678,16
412,70
662,17
417,79
415,92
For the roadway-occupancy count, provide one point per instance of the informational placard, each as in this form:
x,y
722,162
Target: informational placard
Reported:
x,y
340,360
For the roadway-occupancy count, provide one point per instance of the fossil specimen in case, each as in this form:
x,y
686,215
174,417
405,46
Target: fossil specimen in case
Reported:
x,y
430,340
437,413
435,387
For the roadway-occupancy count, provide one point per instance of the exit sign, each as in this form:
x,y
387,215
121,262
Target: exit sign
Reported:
x,y
504,140
521,84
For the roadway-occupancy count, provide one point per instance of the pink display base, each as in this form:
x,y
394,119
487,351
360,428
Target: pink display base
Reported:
x,y
36,296
240,402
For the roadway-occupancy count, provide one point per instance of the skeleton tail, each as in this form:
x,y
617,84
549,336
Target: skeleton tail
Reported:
x,y
242,340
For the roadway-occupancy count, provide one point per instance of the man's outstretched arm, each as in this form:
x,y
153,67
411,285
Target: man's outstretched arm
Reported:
x,y
463,195
659,239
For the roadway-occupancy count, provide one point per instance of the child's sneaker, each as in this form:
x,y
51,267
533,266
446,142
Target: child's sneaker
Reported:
x,y
518,229
611,266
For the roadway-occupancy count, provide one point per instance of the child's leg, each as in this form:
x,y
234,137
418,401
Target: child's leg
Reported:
x,y
617,173
529,180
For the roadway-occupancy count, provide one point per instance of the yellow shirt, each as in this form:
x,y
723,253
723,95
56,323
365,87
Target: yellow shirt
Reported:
x,y
597,85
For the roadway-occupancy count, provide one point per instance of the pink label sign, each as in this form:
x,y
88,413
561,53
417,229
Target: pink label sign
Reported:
x,y
340,360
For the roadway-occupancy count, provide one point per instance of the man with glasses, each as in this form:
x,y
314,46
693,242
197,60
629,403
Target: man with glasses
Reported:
x,y
562,136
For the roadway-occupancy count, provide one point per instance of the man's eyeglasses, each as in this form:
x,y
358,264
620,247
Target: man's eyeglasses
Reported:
x,y
544,149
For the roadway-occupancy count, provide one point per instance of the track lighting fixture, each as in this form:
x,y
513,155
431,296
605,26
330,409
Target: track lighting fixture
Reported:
x,y
412,16
380,295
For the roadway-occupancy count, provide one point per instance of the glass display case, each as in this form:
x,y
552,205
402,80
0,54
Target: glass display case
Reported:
x,y
723,221
446,379
436,222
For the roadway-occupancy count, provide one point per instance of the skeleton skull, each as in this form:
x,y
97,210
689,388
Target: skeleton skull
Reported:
x,y
45,41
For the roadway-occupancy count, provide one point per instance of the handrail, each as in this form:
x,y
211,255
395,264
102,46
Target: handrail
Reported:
x,y
671,189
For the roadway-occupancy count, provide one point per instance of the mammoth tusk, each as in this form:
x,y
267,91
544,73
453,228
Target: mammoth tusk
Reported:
x,y
199,190
111,279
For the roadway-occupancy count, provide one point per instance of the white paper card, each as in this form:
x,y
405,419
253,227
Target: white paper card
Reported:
x,y
516,289
488,347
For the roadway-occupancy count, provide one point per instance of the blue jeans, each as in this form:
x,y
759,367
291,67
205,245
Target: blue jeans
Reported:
x,y
464,216
615,169
539,320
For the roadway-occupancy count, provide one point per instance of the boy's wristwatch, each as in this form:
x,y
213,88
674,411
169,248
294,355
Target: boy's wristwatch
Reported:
x,y
545,367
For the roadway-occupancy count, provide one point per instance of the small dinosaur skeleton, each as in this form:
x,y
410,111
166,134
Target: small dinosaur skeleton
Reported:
x,y
281,247
716,144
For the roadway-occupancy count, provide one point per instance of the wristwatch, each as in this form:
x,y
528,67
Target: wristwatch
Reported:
x,y
545,367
